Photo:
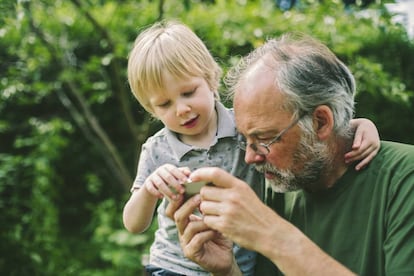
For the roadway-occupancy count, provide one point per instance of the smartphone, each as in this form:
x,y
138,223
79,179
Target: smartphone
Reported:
x,y
192,188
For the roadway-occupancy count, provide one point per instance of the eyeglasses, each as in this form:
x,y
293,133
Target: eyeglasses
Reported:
x,y
262,148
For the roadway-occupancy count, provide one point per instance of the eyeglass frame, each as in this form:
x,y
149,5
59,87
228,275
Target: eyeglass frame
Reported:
x,y
242,144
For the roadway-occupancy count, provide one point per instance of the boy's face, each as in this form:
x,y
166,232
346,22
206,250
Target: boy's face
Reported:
x,y
186,107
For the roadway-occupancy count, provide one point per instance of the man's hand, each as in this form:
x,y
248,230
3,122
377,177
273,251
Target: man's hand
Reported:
x,y
207,247
232,208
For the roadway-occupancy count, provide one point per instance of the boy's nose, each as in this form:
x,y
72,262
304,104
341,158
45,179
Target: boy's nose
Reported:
x,y
182,108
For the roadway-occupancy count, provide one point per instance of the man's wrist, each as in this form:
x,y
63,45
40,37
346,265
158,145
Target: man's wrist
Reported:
x,y
233,270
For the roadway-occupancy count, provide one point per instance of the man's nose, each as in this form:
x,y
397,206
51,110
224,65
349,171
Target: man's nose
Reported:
x,y
252,157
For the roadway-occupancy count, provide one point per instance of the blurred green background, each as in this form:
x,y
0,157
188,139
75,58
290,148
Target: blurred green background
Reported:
x,y
71,131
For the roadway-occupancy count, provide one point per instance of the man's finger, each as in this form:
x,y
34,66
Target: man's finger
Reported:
x,y
182,215
196,244
217,176
173,205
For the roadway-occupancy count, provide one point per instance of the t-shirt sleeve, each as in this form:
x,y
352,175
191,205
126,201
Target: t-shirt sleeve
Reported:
x,y
145,167
399,241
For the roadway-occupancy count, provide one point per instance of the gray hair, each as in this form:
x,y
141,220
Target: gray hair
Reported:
x,y
308,73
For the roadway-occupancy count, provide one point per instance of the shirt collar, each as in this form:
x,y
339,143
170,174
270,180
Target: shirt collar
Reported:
x,y
225,128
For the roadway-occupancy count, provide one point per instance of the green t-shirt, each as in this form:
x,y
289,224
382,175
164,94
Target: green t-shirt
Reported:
x,y
366,220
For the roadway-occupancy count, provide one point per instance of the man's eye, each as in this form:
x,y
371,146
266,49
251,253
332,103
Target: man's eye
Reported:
x,y
263,139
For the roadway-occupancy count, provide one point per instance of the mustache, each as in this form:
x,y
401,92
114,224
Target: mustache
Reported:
x,y
263,168
283,181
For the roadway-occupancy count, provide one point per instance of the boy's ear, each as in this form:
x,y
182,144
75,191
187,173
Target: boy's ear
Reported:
x,y
323,122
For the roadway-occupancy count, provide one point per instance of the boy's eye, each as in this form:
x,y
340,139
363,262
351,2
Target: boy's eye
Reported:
x,y
189,93
164,104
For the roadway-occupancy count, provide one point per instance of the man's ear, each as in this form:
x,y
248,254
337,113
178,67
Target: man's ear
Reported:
x,y
323,122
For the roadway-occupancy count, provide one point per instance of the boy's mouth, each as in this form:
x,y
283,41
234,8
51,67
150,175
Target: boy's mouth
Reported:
x,y
191,123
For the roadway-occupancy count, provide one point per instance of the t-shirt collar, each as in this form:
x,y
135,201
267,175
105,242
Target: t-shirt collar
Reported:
x,y
225,128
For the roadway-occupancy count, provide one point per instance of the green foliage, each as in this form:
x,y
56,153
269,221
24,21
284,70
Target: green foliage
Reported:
x,y
71,130
28,188
119,251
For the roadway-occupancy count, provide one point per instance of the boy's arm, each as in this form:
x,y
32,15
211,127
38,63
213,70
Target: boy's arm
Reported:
x,y
366,143
139,210
164,181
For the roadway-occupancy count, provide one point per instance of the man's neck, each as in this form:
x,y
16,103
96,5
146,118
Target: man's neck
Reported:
x,y
338,166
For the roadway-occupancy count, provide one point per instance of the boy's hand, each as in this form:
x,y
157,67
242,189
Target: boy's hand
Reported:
x,y
366,143
167,181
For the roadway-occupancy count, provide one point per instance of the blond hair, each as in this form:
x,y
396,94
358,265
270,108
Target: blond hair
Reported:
x,y
169,47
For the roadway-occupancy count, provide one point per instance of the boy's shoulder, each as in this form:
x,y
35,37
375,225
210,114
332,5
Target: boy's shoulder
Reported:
x,y
220,106
159,137
226,122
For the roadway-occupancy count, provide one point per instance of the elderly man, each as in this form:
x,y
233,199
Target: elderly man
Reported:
x,y
293,102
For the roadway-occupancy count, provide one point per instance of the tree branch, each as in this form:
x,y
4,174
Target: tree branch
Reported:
x,y
97,134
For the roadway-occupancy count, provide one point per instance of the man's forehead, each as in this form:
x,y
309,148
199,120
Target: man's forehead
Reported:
x,y
257,88
258,117
258,71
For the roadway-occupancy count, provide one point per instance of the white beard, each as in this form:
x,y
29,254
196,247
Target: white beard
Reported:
x,y
283,180
317,154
